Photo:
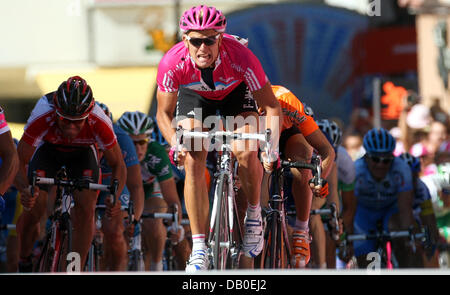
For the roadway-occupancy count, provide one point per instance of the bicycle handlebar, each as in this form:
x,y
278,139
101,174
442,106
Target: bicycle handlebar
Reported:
x,y
385,235
76,184
7,226
314,166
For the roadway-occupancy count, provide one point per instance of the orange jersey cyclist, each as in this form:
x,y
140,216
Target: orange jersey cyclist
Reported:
x,y
299,136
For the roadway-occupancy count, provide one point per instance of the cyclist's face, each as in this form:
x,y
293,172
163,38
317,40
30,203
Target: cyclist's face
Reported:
x,y
203,55
379,165
70,128
140,143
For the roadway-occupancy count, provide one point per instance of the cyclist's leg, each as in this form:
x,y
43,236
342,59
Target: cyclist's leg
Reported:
x,y
44,161
154,232
296,148
317,230
250,176
192,110
83,163
115,247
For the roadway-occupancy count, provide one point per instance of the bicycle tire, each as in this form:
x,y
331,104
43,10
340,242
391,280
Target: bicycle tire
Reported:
x,y
269,254
65,243
92,259
220,233
236,241
44,261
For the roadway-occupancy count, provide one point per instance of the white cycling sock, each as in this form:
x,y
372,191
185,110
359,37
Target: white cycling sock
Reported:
x,y
156,266
253,211
301,225
198,242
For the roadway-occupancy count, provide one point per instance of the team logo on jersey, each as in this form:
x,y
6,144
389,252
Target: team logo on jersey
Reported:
x,y
164,171
226,80
153,161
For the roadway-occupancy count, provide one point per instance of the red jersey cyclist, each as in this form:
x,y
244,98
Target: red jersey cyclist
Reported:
x,y
207,72
65,128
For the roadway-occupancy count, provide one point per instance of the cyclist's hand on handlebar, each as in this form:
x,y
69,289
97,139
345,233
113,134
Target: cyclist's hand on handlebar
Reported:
x,y
26,199
319,188
112,210
336,234
176,233
269,162
177,156
346,251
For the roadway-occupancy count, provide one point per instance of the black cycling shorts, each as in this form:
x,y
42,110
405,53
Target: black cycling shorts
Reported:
x,y
236,102
284,137
80,162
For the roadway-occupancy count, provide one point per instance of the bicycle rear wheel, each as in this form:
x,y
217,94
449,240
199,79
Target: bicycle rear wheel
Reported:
x,y
219,240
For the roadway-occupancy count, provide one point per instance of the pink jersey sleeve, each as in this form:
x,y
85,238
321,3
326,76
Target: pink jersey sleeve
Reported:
x,y
3,124
171,66
245,62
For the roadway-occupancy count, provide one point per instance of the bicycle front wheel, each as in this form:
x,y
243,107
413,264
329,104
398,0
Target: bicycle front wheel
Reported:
x,y
64,245
270,254
220,238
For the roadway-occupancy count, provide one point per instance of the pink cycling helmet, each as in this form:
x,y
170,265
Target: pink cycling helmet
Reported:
x,y
203,18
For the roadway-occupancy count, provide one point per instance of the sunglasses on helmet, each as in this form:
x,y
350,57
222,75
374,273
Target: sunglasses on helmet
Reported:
x,y
208,41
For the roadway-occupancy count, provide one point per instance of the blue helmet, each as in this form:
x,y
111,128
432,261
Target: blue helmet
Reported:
x,y
378,140
105,109
412,161
332,129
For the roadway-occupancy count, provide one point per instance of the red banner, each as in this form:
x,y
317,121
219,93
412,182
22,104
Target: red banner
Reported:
x,y
386,51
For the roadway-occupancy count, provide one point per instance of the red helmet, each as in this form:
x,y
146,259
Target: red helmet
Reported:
x,y
202,18
74,98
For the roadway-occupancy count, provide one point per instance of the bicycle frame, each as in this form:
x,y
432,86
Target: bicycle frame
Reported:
x,y
60,231
277,250
224,242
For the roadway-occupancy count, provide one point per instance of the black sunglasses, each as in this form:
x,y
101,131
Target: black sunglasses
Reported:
x,y
197,42
384,160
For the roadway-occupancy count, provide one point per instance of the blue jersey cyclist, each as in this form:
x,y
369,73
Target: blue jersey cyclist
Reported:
x,y
383,190
115,246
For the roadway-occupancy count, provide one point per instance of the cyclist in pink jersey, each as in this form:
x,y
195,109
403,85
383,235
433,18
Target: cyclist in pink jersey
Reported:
x,y
65,128
9,159
210,72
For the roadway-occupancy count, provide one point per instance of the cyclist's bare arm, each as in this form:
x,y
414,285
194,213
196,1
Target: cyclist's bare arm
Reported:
x,y
167,102
25,152
170,194
267,101
10,161
332,180
115,160
318,141
136,189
